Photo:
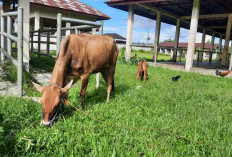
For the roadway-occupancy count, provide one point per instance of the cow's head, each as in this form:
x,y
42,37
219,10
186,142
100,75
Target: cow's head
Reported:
x,y
51,97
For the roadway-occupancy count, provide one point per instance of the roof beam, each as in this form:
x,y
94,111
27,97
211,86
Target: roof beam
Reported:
x,y
216,27
115,3
210,16
158,10
167,13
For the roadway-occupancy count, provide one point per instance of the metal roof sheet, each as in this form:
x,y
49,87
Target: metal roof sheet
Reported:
x,y
72,5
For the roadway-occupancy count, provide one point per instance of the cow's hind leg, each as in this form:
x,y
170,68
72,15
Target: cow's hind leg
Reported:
x,y
109,79
84,84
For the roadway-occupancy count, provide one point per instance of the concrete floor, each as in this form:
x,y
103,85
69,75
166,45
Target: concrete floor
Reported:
x,y
203,67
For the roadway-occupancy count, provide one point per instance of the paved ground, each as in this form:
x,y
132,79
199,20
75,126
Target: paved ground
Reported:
x,y
10,89
43,78
203,67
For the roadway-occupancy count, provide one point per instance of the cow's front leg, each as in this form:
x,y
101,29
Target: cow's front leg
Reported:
x,y
84,84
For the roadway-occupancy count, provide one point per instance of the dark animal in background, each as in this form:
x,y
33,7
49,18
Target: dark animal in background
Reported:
x,y
142,70
222,74
174,79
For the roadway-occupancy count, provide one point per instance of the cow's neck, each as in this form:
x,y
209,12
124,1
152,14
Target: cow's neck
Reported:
x,y
59,72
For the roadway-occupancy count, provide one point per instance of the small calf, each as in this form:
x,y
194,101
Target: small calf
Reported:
x,y
142,70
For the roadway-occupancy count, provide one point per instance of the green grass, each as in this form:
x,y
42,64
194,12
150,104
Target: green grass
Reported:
x,y
45,64
197,107
148,55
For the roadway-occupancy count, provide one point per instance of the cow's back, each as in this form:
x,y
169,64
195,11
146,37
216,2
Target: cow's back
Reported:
x,y
91,53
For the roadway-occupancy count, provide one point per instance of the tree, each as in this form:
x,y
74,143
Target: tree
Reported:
x,y
169,40
208,41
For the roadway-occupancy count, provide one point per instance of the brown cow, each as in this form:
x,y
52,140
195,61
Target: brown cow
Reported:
x,y
142,70
79,57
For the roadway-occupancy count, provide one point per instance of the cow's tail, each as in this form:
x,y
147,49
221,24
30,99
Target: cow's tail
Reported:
x,y
115,52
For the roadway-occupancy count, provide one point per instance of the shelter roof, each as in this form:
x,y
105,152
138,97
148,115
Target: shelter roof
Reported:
x,y
75,6
116,36
185,45
213,13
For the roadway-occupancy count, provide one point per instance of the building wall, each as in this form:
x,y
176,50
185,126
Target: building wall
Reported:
x,y
52,13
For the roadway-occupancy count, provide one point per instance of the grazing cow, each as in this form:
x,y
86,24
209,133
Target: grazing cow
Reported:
x,y
142,70
79,57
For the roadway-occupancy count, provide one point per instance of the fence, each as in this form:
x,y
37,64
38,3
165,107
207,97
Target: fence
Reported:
x,y
39,34
18,39
85,24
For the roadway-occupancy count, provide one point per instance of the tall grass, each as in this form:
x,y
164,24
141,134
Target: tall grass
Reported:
x,y
197,107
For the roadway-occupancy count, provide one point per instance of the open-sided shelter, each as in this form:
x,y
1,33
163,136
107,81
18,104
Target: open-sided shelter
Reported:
x,y
212,17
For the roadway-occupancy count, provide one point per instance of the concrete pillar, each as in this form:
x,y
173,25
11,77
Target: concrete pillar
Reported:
x,y
230,57
176,39
227,39
94,30
100,33
211,47
6,8
202,44
37,20
67,32
130,24
25,4
219,48
157,35
192,35
220,43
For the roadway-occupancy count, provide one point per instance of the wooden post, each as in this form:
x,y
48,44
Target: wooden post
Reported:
x,y
202,45
192,35
176,39
227,39
211,47
25,4
130,24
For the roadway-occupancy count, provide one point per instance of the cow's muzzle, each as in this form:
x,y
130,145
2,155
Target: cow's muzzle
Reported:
x,y
49,123
45,123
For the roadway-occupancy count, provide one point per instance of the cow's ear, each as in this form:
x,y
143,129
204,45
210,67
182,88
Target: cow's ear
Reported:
x,y
38,87
66,88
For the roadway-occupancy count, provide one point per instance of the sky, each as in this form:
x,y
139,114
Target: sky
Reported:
x,y
118,24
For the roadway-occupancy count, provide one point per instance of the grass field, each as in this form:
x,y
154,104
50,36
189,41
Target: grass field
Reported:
x,y
191,117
